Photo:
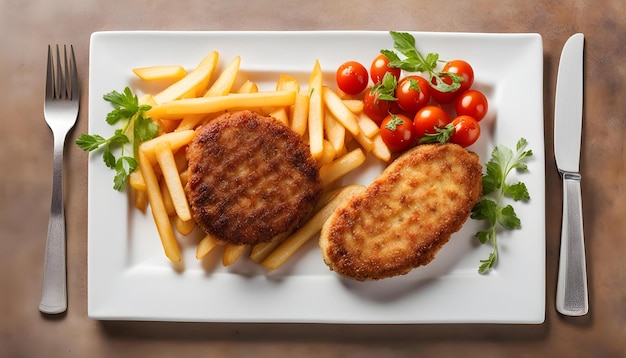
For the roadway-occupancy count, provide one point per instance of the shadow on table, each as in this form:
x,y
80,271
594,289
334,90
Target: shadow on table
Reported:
x,y
268,332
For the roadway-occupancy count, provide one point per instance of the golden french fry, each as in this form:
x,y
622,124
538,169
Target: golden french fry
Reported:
x,y
312,227
287,83
248,87
146,99
193,79
167,199
316,112
232,253
161,219
328,154
166,161
300,114
366,143
336,106
224,83
354,105
206,105
205,246
368,126
261,250
341,166
280,114
136,180
335,132
380,149
166,72
141,199
176,140
184,227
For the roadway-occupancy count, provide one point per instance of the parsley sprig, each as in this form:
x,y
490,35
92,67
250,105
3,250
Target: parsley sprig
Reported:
x,y
503,161
136,129
414,61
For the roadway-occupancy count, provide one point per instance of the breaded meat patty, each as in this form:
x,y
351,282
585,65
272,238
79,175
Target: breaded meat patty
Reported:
x,y
250,178
406,215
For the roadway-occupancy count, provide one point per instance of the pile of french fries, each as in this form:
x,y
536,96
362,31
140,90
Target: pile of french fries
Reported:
x,y
338,133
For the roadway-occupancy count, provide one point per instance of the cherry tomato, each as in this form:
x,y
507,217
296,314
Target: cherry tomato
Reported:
x,y
374,108
472,103
460,68
397,132
429,117
352,77
463,69
466,131
380,66
413,93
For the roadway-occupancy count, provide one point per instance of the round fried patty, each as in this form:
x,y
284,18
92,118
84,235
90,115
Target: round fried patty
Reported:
x,y
250,178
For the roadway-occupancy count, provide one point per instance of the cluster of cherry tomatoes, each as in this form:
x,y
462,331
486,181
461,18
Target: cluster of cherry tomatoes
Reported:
x,y
410,110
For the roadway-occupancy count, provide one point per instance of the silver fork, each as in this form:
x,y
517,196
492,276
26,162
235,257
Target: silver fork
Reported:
x,y
60,111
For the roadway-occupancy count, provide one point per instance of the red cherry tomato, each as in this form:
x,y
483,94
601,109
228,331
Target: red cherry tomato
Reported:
x,y
472,103
466,131
375,108
352,77
380,66
463,69
397,132
458,67
413,93
429,117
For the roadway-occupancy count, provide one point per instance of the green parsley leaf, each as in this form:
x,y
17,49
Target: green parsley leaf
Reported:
x,y
386,88
126,109
495,212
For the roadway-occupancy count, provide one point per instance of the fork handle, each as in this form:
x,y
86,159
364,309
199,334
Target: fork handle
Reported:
x,y
54,285
571,291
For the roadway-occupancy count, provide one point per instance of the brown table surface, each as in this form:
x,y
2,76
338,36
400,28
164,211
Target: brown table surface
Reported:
x,y
27,27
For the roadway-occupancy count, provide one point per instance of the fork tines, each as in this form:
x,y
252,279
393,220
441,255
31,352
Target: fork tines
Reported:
x,y
62,83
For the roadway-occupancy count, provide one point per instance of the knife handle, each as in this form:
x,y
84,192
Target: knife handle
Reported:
x,y
571,290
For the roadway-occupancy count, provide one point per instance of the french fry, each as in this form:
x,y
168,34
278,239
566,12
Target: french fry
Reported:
x,y
366,143
316,112
224,83
205,246
167,72
335,132
280,114
206,105
161,219
328,154
341,166
200,75
300,114
312,227
141,199
336,106
287,83
248,87
176,140
184,227
354,105
136,180
380,149
232,253
368,126
166,161
170,209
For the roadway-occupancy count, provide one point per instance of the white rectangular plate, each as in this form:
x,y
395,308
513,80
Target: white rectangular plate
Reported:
x,y
131,279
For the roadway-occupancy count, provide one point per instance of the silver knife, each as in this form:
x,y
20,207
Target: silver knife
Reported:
x,y
571,291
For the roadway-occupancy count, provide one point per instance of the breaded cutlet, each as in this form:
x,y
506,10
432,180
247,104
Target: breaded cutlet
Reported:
x,y
250,178
405,216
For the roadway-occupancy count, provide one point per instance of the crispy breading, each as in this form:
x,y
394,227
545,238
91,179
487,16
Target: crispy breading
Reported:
x,y
250,178
406,215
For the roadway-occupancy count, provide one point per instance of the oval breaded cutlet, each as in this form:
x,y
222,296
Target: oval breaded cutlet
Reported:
x,y
250,178
405,216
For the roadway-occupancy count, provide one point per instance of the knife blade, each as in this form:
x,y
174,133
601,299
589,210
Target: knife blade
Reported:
x,y
571,292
